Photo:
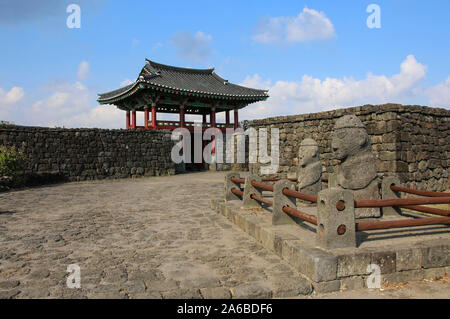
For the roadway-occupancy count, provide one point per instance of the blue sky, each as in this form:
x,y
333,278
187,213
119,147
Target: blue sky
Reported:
x,y
311,55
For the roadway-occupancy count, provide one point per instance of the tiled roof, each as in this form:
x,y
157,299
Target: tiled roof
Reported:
x,y
198,81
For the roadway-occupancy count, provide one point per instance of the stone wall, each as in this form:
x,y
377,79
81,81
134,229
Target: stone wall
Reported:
x,y
87,154
412,142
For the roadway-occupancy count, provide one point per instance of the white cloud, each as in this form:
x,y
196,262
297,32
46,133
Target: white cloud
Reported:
x,y
102,116
439,95
307,26
70,105
12,96
192,47
10,102
256,82
126,82
314,95
83,70
66,100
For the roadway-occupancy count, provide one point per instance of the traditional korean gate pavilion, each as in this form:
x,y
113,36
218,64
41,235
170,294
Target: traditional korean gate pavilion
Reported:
x,y
163,88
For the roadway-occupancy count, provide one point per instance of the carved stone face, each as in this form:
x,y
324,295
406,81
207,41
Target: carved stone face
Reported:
x,y
349,138
308,152
349,142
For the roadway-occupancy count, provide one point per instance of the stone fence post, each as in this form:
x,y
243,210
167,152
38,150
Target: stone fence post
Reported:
x,y
335,228
249,190
229,184
388,193
280,200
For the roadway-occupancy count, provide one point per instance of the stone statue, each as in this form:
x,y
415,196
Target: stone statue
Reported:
x,y
356,170
309,172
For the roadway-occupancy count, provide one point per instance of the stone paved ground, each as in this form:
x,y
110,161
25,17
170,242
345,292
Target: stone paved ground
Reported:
x,y
144,238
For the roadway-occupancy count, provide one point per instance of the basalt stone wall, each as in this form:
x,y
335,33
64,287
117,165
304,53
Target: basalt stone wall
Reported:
x,y
412,142
87,154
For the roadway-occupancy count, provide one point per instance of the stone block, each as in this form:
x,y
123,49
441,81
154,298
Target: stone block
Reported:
x,y
403,276
434,273
353,264
385,260
436,256
314,263
327,286
291,287
352,283
408,259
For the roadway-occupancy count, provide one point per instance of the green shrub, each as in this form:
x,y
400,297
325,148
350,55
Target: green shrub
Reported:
x,y
11,161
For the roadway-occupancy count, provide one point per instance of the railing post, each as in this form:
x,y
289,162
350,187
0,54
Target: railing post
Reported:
x,y
280,200
335,227
332,182
388,193
229,185
249,202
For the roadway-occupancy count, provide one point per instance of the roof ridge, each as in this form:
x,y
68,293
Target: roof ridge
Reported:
x,y
177,68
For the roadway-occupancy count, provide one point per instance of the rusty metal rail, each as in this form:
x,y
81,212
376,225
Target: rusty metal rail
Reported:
x,y
276,179
428,210
264,187
419,192
299,195
238,180
237,192
400,202
262,200
299,214
388,224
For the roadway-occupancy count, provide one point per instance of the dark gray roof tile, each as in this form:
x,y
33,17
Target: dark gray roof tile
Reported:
x,y
201,81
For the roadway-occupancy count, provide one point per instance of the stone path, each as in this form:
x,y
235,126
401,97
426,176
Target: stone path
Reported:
x,y
144,238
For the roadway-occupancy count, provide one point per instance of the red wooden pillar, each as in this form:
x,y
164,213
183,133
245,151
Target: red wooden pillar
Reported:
x,y
213,124
146,117
182,122
236,119
154,116
213,117
128,119
203,141
227,117
133,119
